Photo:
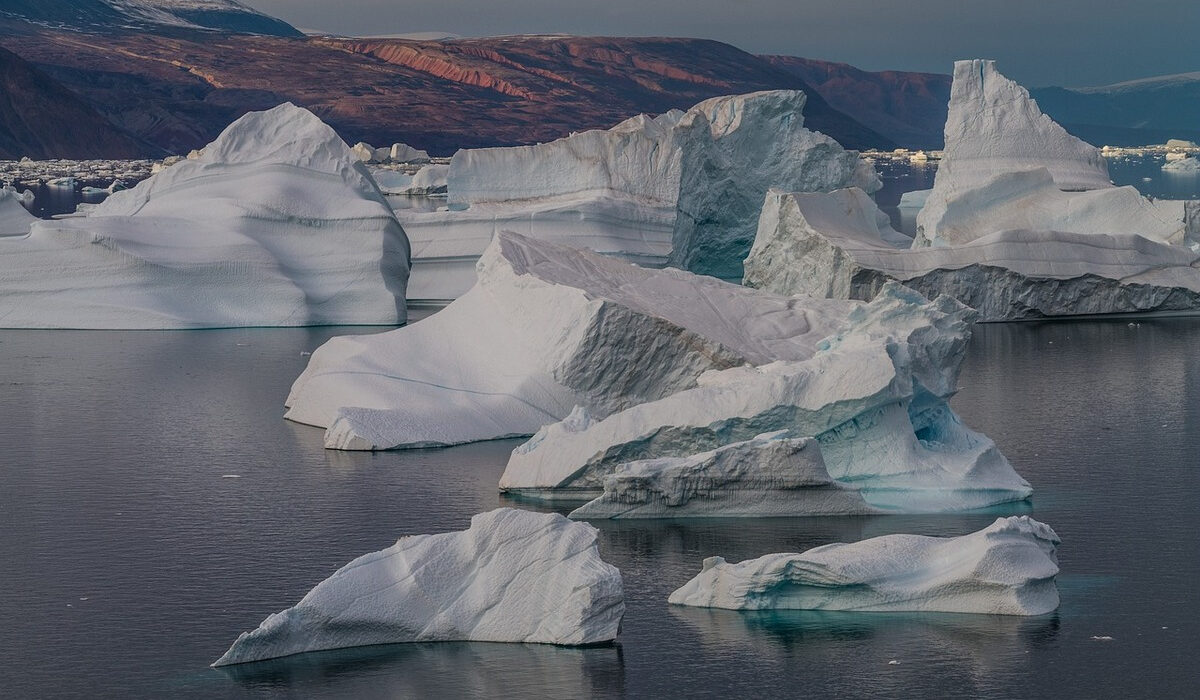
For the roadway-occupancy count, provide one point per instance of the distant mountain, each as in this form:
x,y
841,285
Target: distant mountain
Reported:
x,y
119,15
178,89
908,108
41,119
1133,113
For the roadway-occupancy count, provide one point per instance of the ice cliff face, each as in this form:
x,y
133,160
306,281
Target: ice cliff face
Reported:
x,y
733,150
1007,568
832,245
273,224
563,327
873,396
514,576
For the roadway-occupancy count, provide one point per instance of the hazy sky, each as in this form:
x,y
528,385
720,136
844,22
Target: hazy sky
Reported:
x,y
1037,42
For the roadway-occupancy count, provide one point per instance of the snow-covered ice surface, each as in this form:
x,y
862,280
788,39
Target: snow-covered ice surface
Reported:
x,y
834,245
513,576
1008,568
733,150
274,224
873,396
692,181
547,327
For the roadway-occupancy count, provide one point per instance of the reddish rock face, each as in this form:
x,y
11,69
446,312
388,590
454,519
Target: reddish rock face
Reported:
x,y
908,108
40,118
177,90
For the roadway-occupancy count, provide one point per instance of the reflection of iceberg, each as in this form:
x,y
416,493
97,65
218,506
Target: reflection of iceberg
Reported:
x,y
1008,568
445,670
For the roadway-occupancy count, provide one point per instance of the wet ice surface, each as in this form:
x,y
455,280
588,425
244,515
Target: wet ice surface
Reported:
x,y
130,563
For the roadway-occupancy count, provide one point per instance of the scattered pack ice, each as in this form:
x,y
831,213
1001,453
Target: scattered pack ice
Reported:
x,y
514,576
873,397
546,327
396,153
837,245
274,224
1007,568
690,180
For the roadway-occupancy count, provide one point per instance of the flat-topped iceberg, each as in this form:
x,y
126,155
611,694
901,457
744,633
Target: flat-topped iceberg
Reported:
x,y
837,245
690,180
546,328
514,576
1008,568
873,396
274,224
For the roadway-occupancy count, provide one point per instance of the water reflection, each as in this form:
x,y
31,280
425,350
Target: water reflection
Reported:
x,y
443,670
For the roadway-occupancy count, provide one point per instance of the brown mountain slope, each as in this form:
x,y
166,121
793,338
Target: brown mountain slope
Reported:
x,y
908,108
178,91
41,119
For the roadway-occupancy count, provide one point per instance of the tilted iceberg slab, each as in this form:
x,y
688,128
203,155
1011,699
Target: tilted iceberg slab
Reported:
x,y
514,576
832,245
1007,568
873,397
546,328
733,150
770,475
274,224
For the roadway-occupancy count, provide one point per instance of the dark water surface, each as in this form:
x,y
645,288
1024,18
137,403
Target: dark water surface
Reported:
x,y
129,562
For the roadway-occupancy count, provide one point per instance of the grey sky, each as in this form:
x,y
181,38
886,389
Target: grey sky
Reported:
x,y
1037,42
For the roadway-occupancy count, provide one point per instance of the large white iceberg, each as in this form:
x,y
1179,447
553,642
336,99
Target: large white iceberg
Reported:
x,y
546,327
514,576
693,180
15,219
837,245
274,224
733,150
1008,166
1007,568
1188,164
873,396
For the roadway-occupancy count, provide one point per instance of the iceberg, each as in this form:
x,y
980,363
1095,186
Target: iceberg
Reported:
x,y
683,187
837,245
15,218
1008,568
873,396
513,576
1187,164
274,224
404,153
546,328
733,150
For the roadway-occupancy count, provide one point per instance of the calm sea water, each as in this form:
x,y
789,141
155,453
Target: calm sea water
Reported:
x,y
130,558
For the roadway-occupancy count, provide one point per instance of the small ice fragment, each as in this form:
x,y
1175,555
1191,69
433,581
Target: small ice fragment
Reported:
x,y
231,476
1101,638
893,662
304,353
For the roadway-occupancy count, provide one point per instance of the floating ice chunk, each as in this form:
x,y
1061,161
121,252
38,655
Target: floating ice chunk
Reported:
x,y
363,151
546,328
403,153
514,576
873,396
392,181
1182,165
832,245
15,218
770,475
733,150
994,127
1008,568
431,179
276,224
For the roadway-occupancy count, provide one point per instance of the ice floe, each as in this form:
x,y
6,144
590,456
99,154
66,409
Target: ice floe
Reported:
x,y
513,576
1007,568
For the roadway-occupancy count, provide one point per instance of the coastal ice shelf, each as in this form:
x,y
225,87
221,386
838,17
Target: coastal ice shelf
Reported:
x,y
683,188
513,576
275,223
1007,568
1022,222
